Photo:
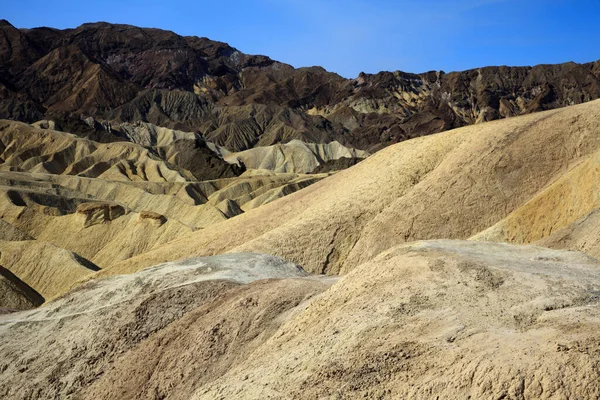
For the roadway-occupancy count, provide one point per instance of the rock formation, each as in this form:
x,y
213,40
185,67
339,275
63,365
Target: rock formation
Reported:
x,y
295,156
70,206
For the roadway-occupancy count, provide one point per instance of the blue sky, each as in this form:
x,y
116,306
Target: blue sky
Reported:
x,y
351,36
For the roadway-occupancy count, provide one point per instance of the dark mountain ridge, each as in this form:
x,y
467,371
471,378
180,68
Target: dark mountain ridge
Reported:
x,y
122,73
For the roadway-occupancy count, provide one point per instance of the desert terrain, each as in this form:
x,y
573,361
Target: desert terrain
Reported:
x,y
250,230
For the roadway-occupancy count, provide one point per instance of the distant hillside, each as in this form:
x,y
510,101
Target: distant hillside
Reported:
x,y
122,73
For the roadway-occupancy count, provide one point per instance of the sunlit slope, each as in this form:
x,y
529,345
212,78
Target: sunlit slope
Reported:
x,y
572,196
450,185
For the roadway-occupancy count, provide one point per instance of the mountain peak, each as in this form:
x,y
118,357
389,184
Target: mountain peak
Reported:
x,y
104,24
4,23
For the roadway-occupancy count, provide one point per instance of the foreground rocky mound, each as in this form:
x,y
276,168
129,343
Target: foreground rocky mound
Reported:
x,y
122,73
441,318
219,301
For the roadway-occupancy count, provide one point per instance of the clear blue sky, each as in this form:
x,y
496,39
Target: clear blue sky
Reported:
x,y
351,36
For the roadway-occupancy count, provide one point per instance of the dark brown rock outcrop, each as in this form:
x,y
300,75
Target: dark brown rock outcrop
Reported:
x,y
124,73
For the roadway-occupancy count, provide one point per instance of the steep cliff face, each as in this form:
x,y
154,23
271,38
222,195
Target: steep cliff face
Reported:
x,y
123,73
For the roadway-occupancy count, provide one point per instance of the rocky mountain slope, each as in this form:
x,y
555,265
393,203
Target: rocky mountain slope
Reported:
x,y
122,73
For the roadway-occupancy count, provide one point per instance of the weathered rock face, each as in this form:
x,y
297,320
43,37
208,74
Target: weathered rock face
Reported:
x,y
98,213
154,218
16,295
129,74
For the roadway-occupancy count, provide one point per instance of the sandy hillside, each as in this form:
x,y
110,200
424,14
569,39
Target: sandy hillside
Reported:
x,y
70,206
582,235
450,185
570,197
